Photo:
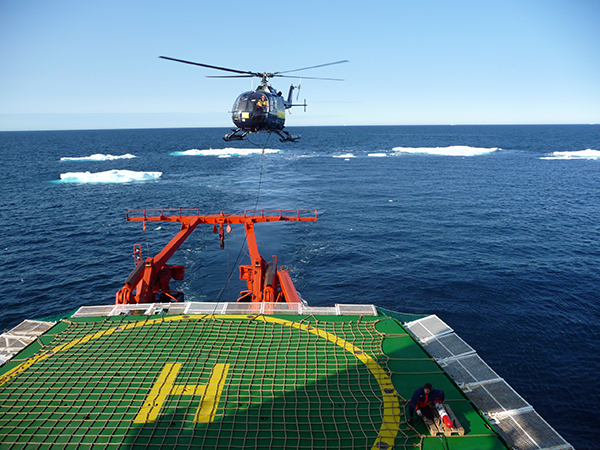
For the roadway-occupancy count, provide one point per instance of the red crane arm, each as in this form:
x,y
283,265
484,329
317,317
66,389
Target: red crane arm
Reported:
x,y
154,273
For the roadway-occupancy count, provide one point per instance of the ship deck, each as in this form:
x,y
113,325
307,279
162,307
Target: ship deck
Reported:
x,y
166,378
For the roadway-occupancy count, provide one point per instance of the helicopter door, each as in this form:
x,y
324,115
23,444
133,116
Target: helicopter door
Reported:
x,y
280,108
260,105
258,109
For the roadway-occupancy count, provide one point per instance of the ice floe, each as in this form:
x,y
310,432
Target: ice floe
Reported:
x,y
454,150
98,157
580,154
109,176
225,152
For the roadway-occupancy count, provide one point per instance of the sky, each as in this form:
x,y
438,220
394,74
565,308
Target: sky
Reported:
x,y
72,64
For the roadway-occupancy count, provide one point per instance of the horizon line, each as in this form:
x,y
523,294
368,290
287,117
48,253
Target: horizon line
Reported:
x,y
305,126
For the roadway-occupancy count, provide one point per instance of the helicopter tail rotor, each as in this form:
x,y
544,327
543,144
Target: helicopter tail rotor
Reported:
x,y
298,94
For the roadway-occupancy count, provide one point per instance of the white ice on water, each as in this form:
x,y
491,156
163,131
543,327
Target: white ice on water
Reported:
x,y
580,154
454,150
109,176
225,152
98,157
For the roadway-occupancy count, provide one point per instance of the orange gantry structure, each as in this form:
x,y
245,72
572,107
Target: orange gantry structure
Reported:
x,y
149,280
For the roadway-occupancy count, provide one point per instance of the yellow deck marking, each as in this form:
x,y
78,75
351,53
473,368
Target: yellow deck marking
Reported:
x,y
210,398
158,394
165,387
391,407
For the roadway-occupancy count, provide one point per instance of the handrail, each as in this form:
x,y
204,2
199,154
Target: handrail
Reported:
x,y
281,213
179,212
154,214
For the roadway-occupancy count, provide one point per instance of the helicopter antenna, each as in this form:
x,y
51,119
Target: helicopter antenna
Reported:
x,y
298,89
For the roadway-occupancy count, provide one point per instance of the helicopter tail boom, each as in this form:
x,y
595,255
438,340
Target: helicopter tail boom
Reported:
x,y
288,103
289,99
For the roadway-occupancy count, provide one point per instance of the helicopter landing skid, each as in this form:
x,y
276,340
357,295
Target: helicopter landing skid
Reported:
x,y
239,135
235,135
287,137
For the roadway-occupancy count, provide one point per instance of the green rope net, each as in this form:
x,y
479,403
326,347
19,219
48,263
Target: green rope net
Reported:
x,y
206,382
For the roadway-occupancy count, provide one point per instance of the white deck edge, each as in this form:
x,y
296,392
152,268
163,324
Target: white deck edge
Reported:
x,y
15,340
226,308
498,418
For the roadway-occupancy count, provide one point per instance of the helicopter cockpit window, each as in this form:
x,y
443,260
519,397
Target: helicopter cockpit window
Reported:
x,y
242,103
255,102
262,103
258,103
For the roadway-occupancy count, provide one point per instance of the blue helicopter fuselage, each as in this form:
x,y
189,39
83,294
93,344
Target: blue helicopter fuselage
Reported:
x,y
259,110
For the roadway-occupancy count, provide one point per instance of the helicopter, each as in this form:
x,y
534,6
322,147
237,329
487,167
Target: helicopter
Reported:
x,y
263,109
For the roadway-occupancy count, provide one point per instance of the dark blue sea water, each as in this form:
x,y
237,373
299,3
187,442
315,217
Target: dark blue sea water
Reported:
x,y
504,245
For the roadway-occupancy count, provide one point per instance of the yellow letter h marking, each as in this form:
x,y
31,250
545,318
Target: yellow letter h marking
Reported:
x,y
165,386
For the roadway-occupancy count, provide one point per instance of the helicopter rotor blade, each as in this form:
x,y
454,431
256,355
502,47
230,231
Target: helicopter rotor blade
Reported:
x,y
230,76
212,67
313,67
309,78
264,75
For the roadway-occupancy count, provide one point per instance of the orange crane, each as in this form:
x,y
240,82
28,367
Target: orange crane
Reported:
x,y
265,281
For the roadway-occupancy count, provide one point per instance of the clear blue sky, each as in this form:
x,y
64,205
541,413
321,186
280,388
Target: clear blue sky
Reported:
x,y
69,64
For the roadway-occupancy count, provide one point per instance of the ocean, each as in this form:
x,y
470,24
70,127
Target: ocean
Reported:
x,y
496,229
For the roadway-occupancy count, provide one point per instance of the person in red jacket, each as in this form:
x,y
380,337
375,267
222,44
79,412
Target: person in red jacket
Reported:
x,y
422,402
